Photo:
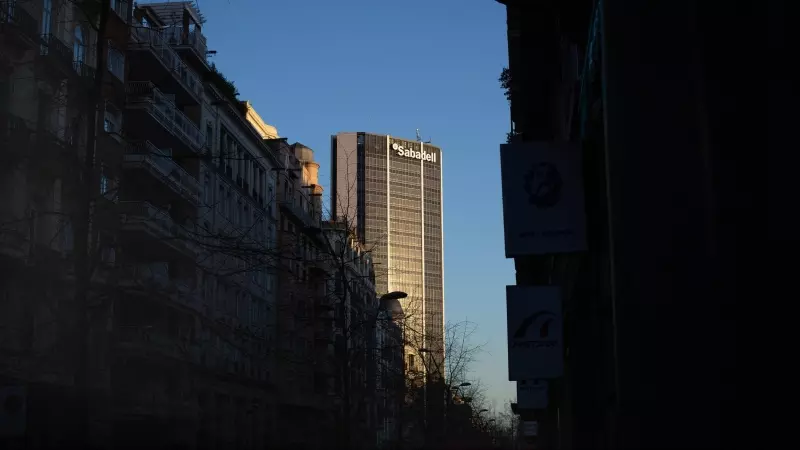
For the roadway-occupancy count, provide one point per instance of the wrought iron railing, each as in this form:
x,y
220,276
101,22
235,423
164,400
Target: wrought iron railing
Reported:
x,y
162,162
193,38
55,48
154,38
120,8
83,70
12,13
163,108
116,62
140,211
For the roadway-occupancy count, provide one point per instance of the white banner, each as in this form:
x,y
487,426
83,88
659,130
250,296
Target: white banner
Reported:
x,y
535,342
532,394
530,428
543,199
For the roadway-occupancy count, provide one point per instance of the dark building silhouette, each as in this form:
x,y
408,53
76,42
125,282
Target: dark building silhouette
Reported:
x,y
649,89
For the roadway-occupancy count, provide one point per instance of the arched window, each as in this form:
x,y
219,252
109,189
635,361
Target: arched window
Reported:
x,y
78,45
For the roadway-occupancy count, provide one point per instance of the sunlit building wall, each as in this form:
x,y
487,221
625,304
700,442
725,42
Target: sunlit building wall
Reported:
x,y
389,190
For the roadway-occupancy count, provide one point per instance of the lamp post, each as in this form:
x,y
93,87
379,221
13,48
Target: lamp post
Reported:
x,y
449,405
386,303
345,426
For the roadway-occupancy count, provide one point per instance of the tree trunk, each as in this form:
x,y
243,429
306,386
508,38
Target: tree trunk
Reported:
x,y
82,242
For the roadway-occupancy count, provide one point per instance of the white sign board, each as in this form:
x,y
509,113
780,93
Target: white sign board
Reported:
x,y
530,428
535,342
532,394
543,199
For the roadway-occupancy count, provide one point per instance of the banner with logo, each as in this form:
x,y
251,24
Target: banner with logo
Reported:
x,y
543,199
535,341
532,394
530,428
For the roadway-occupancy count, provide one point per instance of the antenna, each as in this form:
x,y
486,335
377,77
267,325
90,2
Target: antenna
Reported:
x,y
419,139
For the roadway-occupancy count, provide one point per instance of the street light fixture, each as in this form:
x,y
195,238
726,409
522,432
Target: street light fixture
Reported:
x,y
465,384
396,295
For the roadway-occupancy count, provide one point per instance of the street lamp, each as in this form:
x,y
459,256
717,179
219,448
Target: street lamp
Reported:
x,y
396,295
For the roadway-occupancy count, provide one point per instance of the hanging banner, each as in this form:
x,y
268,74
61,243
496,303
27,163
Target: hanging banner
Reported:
x,y
532,394
535,343
530,428
543,199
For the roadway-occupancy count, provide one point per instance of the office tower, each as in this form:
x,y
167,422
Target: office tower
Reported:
x,y
389,190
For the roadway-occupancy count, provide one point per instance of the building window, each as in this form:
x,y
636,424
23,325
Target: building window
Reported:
x,y
116,63
78,47
209,134
103,181
47,10
207,190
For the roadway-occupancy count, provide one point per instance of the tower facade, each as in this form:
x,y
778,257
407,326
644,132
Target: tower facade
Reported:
x,y
389,189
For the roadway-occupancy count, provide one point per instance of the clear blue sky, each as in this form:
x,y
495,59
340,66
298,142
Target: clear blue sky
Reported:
x,y
316,67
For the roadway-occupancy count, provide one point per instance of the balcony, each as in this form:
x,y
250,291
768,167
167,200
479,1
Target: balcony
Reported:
x,y
146,275
56,55
187,82
143,95
190,39
116,62
18,23
85,73
152,230
147,341
160,165
120,9
15,139
291,207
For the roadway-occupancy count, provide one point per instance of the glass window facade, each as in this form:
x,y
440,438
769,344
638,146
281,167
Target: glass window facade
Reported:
x,y
398,189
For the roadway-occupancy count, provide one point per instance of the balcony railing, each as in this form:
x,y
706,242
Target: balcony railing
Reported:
x,y
193,38
116,62
120,8
154,274
301,214
163,109
145,212
55,48
152,339
11,13
160,223
161,162
84,71
154,38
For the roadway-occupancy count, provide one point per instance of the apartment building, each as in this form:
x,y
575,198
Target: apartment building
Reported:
x,y
183,230
352,298
48,70
302,272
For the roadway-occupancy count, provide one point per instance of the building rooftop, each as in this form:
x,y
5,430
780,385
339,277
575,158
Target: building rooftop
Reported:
x,y
171,13
265,130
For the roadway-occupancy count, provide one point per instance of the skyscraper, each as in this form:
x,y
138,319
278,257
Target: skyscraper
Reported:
x,y
389,190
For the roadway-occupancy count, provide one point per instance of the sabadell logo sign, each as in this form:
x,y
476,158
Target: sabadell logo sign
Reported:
x,y
409,153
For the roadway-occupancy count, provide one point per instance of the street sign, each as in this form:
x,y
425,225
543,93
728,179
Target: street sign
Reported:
x,y
530,428
543,198
532,394
535,343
